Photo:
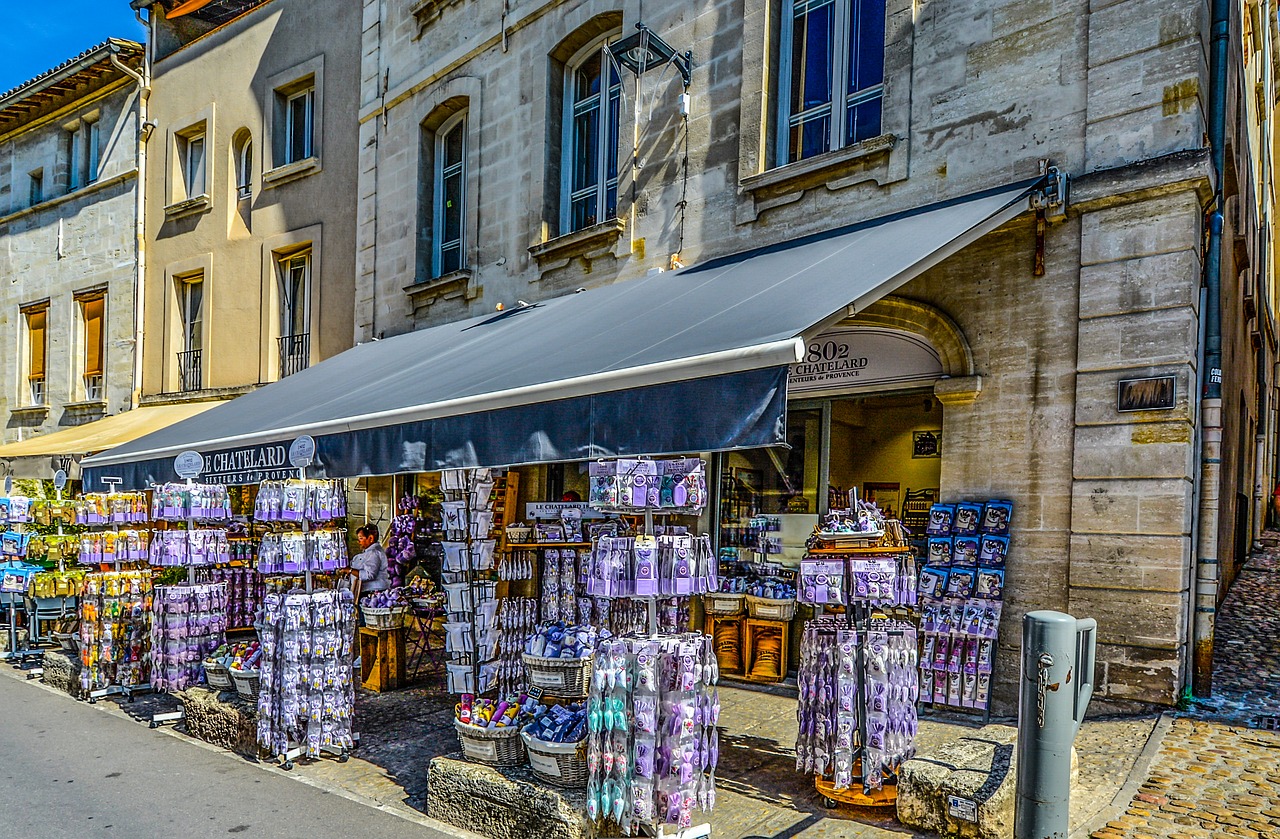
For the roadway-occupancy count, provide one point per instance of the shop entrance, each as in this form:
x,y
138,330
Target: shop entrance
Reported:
x,y
887,447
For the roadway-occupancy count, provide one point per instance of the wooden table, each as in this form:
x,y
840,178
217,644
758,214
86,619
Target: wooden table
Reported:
x,y
381,658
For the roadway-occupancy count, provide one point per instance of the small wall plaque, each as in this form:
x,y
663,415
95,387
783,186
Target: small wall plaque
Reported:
x,y
1158,393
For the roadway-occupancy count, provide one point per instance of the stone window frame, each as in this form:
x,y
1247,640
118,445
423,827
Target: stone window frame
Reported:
x,y
276,249
26,377
885,159
82,145
551,244
179,202
174,339
459,95
81,387
281,89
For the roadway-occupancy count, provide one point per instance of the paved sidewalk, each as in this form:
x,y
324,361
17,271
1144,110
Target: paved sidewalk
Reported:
x,y
1217,773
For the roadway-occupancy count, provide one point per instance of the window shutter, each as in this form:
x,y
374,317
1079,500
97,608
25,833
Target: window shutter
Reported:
x,y
94,311
36,331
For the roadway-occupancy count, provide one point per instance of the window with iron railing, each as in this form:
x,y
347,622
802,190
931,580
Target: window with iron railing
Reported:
x,y
295,353
190,375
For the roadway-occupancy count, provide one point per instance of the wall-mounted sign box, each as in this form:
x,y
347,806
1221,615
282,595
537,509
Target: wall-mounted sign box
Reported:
x,y
1158,393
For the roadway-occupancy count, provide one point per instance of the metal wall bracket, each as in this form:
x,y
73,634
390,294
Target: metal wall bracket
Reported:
x,y
1052,198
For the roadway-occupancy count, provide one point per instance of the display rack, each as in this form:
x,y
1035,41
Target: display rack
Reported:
x,y
860,617
339,721
129,691
18,576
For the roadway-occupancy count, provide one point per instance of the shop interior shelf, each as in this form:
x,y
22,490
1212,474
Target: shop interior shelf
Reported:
x,y
529,546
847,550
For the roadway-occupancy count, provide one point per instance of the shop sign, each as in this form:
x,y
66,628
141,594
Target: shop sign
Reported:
x,y
250,465
188,465
551,509
303,451
1158,393
964,809
859,357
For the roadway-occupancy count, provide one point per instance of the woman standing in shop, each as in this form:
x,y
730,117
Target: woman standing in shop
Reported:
x,y
371,562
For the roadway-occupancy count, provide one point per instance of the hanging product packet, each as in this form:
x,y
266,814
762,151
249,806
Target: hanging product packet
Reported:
x,y
992,551
941,519
940,551
997,516
968,518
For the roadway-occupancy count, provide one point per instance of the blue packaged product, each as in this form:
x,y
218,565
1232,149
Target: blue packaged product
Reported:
x,y
968,518
941,517
996,517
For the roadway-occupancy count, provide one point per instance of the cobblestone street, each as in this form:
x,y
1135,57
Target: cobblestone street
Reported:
x,y
1218,769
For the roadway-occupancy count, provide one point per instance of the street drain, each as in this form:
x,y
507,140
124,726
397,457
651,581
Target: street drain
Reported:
x,y
1267,723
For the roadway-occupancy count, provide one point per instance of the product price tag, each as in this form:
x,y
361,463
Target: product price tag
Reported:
x,y
546,679
481,750
545,764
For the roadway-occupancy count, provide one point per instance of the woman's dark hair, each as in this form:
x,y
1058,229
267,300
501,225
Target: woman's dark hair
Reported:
x,y
368,530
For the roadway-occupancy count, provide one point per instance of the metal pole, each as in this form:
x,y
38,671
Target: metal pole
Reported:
x,y
1054,691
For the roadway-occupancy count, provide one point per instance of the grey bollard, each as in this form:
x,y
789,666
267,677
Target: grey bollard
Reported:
x,y
1054,691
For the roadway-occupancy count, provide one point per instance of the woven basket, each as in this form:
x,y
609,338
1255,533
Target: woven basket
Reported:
x,y
246,682
562,764
385,618
218,676
719,603
492,746
565,678
767,609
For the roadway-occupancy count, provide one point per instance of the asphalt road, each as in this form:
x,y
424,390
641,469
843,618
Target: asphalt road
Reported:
x,y
70,771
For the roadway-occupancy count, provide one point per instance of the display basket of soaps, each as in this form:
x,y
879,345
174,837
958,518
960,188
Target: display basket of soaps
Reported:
x,y
562,764
493,746
218,675
247,683
386,617
567,678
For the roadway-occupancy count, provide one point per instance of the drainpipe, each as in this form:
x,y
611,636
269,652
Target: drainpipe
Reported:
x,y
143,81
1207,571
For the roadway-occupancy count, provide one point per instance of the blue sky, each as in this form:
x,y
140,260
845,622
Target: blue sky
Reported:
x,y
35,37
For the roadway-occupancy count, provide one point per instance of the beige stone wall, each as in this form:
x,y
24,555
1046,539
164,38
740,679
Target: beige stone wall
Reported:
x,y
228,80
73,241
977,94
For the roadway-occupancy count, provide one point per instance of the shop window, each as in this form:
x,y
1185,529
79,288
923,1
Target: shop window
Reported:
x,y
886,447
93,318
37,354
589,169
831,76
191,312
35,187
449,189
295,312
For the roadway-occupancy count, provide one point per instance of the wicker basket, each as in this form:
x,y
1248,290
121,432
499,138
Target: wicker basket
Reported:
x,y
218,676
767,609
69,641
246,682
519,534
562,764
385,618
565,678
493,746
719,603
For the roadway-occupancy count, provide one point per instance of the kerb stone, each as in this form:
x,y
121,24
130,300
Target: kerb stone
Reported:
x,y
223,719
982,768
467,794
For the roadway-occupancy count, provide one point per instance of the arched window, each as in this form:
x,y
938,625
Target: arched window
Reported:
x,y
242,149
589,171
449,190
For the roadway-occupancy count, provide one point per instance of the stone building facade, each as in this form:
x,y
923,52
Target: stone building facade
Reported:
x,y
68,243
250,193
468,198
